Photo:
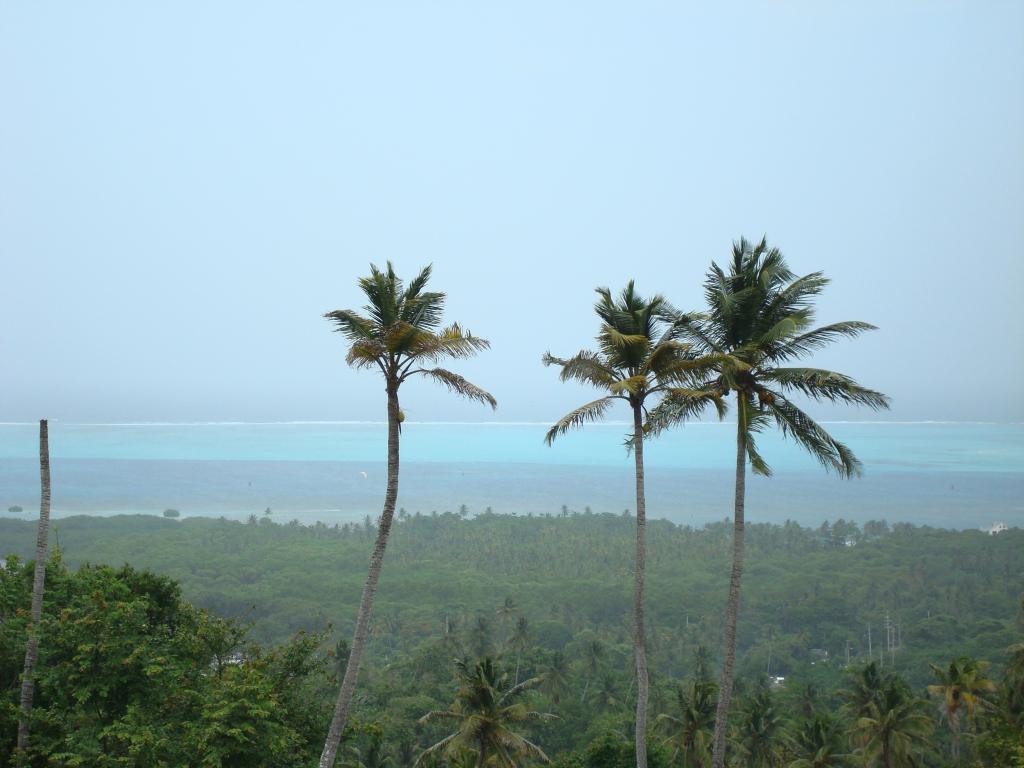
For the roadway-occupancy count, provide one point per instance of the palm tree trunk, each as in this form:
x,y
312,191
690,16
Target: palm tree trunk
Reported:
x,y
348,684
38,582
638,595
954,726
733,604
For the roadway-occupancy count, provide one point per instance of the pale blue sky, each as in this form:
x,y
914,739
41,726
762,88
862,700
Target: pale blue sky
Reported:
x,y
186,187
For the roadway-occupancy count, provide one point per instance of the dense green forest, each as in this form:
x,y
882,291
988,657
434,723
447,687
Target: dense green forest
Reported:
x,y
548,597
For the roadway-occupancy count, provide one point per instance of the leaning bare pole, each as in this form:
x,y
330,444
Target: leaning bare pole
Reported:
x,y
32,647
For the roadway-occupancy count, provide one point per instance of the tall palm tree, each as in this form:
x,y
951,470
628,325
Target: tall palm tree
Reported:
x,y
690,734
401,336
959,688
38,583
520,641
592,661
760,317
639,360
488,715
892,725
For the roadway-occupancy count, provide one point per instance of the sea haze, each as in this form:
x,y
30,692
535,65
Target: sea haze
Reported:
x,y
959,475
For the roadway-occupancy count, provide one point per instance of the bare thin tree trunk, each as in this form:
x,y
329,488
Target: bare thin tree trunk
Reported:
x,y
38,582
733,604
638,595
348,684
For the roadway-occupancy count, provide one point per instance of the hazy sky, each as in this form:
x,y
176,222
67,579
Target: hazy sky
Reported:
x,y
186,187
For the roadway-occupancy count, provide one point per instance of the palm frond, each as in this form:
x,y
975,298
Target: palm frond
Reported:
x,y
457,384
453,342
618,340
634,385
351,324
366,353
821,384
585,366
441,746
680,405
517,689
804,344
592,411
831,453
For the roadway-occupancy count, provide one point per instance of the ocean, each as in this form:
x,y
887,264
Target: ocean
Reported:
x,y
955,475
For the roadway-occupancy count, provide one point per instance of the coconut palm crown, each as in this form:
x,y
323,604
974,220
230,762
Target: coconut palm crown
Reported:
x,y
639,356
489,714
760,318
960,688
400,335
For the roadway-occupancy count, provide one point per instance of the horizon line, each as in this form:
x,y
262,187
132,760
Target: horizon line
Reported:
x,y
353,422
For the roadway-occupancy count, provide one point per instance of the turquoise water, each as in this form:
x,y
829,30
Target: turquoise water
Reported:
x,y
951,474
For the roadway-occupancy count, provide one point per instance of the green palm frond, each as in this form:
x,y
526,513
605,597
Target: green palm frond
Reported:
x,y
805,343
832,454
585,367
681,404
592,411
821,384
457,384
354,326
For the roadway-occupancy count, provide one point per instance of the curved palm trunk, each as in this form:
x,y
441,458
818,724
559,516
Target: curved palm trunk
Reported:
x,y
348,684
38,582
638,594
733,604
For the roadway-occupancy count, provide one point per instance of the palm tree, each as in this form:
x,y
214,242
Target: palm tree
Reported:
x,y
760,316
761,734
520,641
488,716
640,359
690,734
593,658
555,678
1014,677
506,612
818,743
38,582
400,336
865,692
892,725
959,688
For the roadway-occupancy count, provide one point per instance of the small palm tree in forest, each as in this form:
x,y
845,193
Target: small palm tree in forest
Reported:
x,y
520,641
760,317
640,360
959,688
489,716
690,733
819,742
555,678
592,663
892,723
400,336
760,733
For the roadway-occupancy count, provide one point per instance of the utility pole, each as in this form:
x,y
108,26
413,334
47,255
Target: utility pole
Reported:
x,y
869,640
